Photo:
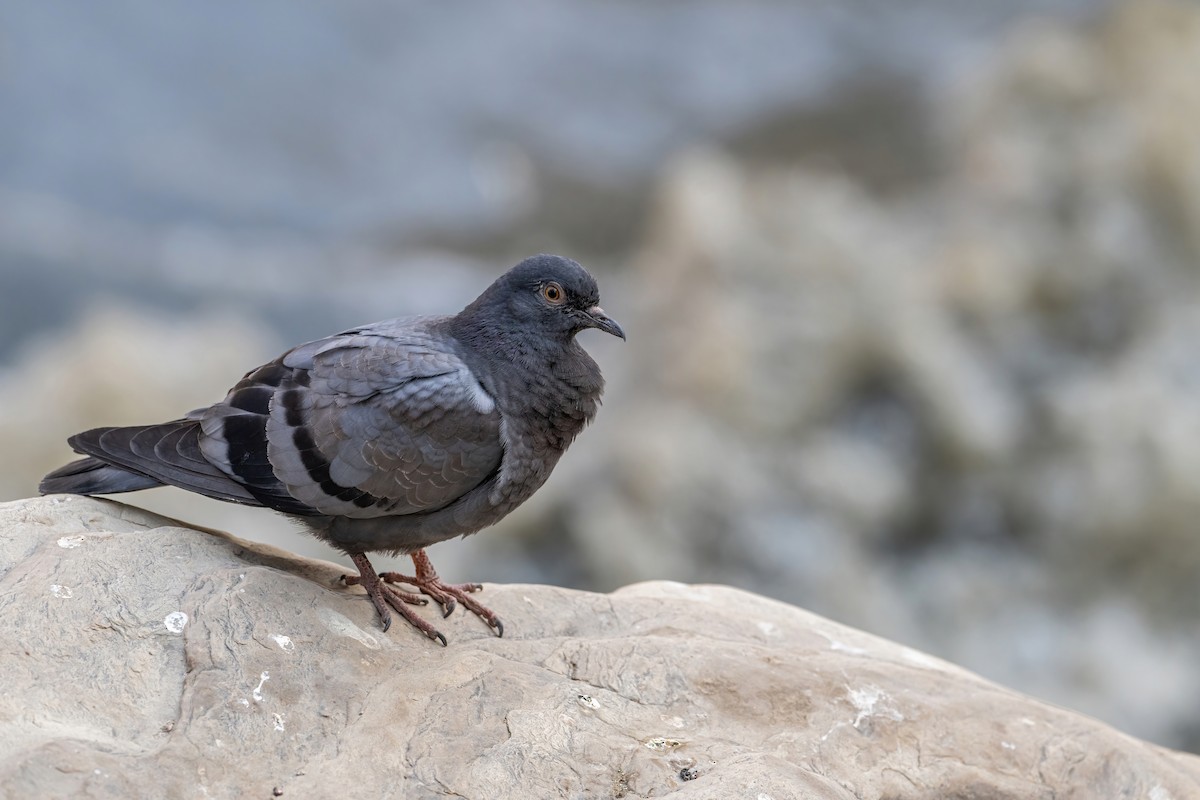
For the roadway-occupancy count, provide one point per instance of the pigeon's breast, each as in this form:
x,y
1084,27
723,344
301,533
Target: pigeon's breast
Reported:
x,y
542,412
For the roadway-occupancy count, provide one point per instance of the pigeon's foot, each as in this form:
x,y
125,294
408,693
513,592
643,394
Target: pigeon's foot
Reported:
x,y
447,595
407,597
383,596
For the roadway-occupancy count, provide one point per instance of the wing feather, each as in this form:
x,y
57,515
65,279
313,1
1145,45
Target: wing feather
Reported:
x,y
390,422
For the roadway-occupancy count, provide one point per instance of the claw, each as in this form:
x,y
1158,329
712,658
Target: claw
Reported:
x,y
380,588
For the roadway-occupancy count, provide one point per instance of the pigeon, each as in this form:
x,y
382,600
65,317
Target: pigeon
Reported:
x,y
389,437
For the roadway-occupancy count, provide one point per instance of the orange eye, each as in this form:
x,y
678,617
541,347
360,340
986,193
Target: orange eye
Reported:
x,y
553,293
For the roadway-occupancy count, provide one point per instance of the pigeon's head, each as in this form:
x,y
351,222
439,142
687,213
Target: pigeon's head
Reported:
x,y
554,296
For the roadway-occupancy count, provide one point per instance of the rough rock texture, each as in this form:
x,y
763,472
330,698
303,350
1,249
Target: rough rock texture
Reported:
x,y
143,658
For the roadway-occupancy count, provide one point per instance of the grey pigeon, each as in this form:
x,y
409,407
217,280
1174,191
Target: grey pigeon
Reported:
x,y
389,437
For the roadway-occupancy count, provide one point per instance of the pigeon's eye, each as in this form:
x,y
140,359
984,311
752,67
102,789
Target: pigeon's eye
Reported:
x,y
553,293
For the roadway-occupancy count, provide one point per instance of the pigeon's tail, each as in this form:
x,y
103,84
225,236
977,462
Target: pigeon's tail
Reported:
x,y
93,476
142,457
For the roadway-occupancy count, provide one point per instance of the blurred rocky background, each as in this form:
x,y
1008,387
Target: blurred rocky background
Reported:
x,y
912,288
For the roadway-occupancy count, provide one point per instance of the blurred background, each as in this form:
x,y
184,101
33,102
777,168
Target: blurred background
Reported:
x,y
912,288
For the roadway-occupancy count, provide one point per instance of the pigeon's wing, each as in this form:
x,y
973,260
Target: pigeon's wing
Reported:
x,y
378,421
234,437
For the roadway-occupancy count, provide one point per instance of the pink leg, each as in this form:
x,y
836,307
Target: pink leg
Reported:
x,y
447,595
383,596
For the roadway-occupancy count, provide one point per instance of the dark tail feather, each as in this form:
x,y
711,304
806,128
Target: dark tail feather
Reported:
x,y
93,476
146,455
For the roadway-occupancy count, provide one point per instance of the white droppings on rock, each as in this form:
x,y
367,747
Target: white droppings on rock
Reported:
x,y
175,621
867,702
262,680
61,591
244,702
69,542
278,722
662,743
587,701
284,642
1008,745
864,701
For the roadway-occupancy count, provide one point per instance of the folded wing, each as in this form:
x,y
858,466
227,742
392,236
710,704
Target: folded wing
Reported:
x,y
378,421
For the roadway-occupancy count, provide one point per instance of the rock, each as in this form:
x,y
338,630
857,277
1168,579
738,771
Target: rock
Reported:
x,y
145,658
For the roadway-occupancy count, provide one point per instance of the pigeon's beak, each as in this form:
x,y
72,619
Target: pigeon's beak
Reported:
x,y
598,319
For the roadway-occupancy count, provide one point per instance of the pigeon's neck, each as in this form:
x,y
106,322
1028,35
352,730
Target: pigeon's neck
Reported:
x,y
549,386
491,337
495,341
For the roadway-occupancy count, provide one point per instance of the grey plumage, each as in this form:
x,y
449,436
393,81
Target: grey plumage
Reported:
x,y
389,437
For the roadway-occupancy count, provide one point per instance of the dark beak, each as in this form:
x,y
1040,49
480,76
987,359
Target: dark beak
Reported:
x,y
601,321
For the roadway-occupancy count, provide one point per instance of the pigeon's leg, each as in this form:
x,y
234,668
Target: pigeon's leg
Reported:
x,y
447,595
408,597
383,595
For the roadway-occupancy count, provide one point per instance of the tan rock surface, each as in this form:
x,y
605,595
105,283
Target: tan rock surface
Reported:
x,y
279,681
